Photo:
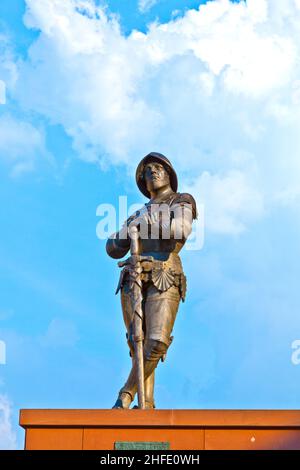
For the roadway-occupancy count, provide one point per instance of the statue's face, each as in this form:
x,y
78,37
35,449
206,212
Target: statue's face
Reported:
x,y
156,176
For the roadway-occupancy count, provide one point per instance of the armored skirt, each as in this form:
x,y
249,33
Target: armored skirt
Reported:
x,y
163,286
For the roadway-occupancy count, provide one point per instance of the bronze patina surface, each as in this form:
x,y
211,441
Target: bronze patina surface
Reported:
x,y
152,281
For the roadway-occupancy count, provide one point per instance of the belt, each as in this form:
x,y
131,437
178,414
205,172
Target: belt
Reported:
x,y
161,273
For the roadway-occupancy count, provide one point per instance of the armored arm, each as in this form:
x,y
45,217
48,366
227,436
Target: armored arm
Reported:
x,y
172,220
183,212
118,244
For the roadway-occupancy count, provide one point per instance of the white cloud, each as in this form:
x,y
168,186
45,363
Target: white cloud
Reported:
x,y
230,201
146,5
2,92
218,81
8,66
102,82
60,333
7,435
20,144
289,196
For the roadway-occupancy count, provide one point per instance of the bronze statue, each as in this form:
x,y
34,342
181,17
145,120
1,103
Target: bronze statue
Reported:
x,y
152,281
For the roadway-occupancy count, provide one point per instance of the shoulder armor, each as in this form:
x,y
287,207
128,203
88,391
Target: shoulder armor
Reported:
x,y
181,198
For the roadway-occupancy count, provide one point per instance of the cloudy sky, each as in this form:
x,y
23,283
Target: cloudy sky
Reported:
x,y
87,88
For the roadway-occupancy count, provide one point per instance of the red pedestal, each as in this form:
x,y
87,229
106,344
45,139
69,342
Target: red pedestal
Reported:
x,y
182,429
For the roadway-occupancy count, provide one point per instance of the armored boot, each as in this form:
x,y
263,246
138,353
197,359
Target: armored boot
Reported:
x,y
128,391
123,401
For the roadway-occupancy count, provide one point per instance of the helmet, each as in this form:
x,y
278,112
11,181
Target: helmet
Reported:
x,y
155,157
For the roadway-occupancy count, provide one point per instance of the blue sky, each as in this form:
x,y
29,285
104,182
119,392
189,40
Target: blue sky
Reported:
x,y
217,89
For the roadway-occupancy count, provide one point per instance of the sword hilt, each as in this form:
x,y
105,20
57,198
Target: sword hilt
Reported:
x,y
133,259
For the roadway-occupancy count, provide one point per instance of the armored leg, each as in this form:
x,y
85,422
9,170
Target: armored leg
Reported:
x,y
160,311
149,391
